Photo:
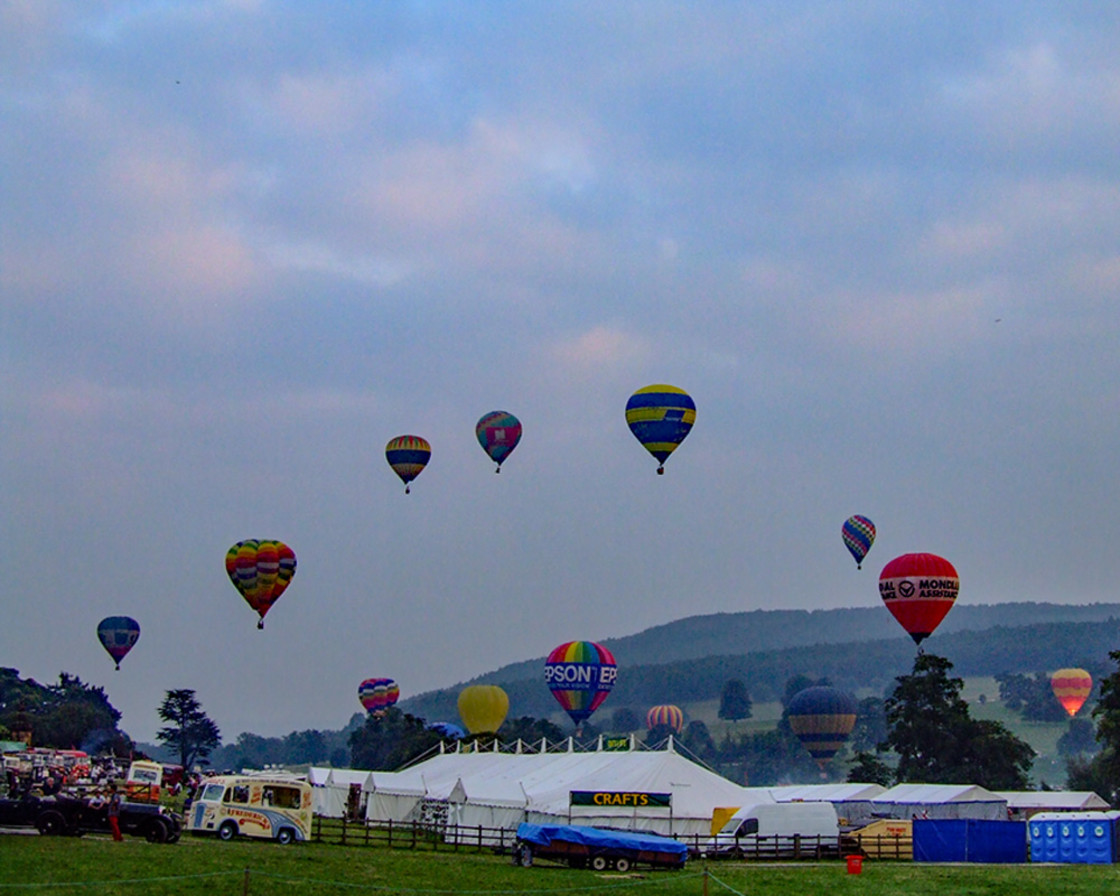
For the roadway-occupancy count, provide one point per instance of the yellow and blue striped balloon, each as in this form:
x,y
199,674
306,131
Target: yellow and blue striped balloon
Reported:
x,y
408,455
660,417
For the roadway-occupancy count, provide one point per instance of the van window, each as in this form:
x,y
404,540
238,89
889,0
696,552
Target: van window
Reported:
x,y
286,797
749,826
212,792
237,794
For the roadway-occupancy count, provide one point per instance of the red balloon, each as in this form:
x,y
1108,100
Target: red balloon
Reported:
x,y
919,589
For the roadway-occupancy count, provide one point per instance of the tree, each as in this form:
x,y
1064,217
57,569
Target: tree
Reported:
x,y
1078,738
391,740
624,719
1102,772
868,768
189,734
734,702
871,725
938,742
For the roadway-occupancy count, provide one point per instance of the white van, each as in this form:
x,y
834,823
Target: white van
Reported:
x,y
777,829
276,807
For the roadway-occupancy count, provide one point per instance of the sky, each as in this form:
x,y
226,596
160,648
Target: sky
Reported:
x,y
245,243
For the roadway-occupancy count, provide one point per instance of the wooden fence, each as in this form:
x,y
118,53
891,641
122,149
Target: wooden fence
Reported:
x,y
476,838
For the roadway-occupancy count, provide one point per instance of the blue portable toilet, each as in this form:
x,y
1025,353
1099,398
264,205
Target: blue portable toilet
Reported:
x,y
1087,838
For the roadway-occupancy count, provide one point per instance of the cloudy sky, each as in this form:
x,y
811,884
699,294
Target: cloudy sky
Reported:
x,y
245,243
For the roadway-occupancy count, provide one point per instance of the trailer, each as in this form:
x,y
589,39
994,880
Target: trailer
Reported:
x,y
596,848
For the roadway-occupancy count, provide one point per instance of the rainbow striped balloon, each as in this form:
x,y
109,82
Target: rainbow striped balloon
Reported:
x,y
666,714
580,674
261,570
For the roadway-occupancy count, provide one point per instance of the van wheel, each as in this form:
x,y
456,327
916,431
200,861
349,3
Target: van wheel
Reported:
x,y
622,865
599,863
284,836
228,830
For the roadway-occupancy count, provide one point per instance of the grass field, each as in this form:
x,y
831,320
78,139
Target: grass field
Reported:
x,y
95,866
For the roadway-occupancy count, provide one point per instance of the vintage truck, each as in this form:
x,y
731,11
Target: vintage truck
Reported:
x,y
596,848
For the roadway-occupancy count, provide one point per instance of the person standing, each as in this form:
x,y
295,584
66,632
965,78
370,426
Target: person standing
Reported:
x,y
115,812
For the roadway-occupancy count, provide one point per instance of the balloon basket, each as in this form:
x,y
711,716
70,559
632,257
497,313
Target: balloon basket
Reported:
x,y
855,864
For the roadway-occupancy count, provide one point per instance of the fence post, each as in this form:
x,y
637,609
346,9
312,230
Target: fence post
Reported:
x,y
245,884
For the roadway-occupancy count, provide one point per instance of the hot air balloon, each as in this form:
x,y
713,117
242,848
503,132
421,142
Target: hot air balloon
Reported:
x,y
408,455
498,433
1072,688
483,708
580,674
919,589
660,417
378,694
261,571
822,718
447,729
666,714
858,533
117,635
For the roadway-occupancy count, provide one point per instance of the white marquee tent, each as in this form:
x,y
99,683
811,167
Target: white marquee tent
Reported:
x,y
940,801
502,789
1022,804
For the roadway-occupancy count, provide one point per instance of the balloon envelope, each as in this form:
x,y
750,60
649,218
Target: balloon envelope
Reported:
x,y
117,635
498,433
660,417
580,674
378,694
822,718
483,708
408,455
667,714
448,729
261,570
1072,688
858,533
919,589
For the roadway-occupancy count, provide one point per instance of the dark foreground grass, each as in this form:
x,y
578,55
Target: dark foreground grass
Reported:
x,y
95,866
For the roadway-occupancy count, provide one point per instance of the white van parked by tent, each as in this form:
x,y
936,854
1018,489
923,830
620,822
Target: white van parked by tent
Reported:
x,y
777,829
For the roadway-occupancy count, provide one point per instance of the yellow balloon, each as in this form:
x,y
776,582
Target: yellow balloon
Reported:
x,y
483,708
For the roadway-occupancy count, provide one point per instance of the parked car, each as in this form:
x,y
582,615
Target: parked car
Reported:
x,y
19,813
75,816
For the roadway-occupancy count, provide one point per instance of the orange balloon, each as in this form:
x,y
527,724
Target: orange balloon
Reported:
x,y
1072,688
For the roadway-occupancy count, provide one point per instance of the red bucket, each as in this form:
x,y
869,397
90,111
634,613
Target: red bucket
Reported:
x,y
855,864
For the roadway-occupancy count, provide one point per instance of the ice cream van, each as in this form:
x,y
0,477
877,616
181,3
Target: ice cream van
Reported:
x,y
274,807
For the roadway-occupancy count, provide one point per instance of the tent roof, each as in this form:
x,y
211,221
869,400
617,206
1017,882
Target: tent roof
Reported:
x,y
344,777
317,775
547,779
1052,799
828,793
937,793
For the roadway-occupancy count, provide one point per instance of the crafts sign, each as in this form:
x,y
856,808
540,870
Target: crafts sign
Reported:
x,y
624,799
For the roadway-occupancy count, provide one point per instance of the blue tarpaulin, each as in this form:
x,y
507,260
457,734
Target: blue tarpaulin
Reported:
x,y
969,840
597,838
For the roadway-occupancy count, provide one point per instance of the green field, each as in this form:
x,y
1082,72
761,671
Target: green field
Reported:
x,y
98,867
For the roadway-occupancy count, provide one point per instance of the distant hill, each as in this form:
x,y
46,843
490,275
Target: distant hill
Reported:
x,y
861,649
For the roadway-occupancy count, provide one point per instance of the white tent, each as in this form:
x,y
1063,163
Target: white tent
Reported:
x,y
336,793
1022,804
853,802
317,778
503,789
940,801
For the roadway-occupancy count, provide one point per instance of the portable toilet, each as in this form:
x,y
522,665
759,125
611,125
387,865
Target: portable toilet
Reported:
x,y
1086,838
